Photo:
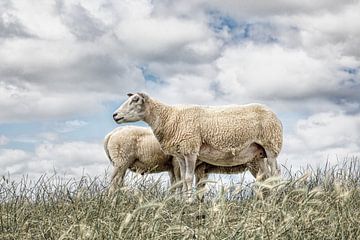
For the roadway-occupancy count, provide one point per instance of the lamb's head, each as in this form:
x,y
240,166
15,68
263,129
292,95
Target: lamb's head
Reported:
x,y
132,110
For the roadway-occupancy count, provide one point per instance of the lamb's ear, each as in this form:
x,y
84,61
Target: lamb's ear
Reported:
x,y
143,95
129,94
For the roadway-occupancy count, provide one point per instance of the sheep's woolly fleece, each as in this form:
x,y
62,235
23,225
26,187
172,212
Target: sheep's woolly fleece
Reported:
x,y
183,130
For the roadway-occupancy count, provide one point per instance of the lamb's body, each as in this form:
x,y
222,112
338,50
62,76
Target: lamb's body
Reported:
x,y
137,149
223,136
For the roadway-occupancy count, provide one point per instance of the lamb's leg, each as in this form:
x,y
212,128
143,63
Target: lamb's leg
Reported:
x,y
200,177
190,164
172,177
176,175
175,178
253,167
117,178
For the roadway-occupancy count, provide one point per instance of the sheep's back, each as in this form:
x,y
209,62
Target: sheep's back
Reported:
x,y
227,128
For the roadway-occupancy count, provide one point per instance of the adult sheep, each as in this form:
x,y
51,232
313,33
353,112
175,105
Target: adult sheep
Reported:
x,y
222,136
136,148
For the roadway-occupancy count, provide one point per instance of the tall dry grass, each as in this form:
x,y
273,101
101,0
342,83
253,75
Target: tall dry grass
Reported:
x,y
310,204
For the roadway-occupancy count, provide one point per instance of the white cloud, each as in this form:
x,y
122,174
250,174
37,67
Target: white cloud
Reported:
x,y
44,54
13,161
153,37
326,136
23,104
47,72
71,159
260,9
71,125
329,130
3,140
130,9
273,72
48,136
186,89
38,17
324,31
71,154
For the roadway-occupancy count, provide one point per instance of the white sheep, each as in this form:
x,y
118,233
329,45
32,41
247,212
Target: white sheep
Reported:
x,y
222,136
137,149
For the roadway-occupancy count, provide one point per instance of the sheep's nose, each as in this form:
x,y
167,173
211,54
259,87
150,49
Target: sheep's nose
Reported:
x,y
114,115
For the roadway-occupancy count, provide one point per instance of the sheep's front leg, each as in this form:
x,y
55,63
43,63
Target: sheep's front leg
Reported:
x,y
175,177
190,164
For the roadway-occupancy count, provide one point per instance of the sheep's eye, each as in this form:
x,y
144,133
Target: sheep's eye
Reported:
x,y
135,99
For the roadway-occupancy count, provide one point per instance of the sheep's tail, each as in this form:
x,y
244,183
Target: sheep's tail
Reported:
x,y
106,143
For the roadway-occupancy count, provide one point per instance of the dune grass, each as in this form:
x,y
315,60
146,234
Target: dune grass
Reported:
x,y
311,204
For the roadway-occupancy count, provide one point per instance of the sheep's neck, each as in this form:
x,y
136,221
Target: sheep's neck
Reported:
x,y
156,116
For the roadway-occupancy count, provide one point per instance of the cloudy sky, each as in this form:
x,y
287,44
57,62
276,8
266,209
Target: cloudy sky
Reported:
x,y
66,65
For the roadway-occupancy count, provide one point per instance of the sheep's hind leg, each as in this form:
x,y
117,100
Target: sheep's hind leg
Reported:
x,y
263,172
274,167
272,162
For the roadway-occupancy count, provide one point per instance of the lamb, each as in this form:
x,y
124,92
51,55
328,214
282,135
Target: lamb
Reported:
x,y
221,136
137,149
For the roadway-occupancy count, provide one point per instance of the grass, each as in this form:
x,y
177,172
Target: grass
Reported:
x,y
310,204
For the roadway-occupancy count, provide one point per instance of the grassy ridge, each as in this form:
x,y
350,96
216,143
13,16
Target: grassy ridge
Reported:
x,y
313,204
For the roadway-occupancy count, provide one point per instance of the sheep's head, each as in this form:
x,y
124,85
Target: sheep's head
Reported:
x,y
132,110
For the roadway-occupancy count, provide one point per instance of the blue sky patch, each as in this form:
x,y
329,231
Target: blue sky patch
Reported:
x,y
219,22
149,75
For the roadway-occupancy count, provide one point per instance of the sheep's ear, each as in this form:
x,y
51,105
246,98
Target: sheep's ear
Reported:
x,y
129,94
143,95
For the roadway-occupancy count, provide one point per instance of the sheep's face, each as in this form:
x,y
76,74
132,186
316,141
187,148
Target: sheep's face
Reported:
x,y
131,110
